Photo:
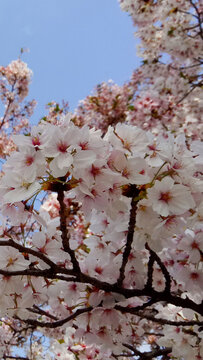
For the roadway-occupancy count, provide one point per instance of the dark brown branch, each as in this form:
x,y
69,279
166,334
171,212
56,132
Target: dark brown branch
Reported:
x,y
55,324
155,258
131,229
180,302
26,250
133,349
127,355
114,288
198,16
15,357
149,354
168,299
187,13
46,273
170,322
194,86
55,270
150,272
63,227
36,310
135,310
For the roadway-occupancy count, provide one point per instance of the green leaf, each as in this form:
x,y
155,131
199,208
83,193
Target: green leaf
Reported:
x,y
171,31
182,75
131,107
57,108
61,341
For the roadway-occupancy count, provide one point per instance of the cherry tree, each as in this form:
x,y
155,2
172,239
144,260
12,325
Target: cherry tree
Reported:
x,y
101,210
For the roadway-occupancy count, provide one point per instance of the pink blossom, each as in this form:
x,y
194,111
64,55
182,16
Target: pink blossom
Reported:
x,y
166,197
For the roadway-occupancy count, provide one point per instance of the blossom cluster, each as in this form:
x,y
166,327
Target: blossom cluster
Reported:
x,y
14,86
170,27
102,174
106,106
101,235
170,77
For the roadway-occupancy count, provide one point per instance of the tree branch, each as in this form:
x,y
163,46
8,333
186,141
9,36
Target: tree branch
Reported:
x,y
36,310
198,16
189,91
26,250
57,323
63,227
148,291
15,357
131,228
168,299
155,258
134,310
46,273
170,322
149,354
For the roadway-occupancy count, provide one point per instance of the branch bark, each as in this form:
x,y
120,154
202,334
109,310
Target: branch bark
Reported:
x,y
131,229
57,323
63,227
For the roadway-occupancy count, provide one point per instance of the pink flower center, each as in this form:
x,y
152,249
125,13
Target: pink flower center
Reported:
x,y
170,221
73,287
29,160
105,222
152,147
11,261
84,146
35,141
195,245
62,147
125,173
98,270
94,192
165,196
194,275
127,145
100,246
159,282
95,171
177,165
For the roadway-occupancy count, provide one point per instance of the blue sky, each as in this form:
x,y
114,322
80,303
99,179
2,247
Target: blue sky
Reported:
x,y
73,45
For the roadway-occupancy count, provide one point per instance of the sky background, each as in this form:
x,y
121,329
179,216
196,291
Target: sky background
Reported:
x,y
73,45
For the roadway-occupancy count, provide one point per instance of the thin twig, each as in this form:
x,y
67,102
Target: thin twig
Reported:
x,y
63,227
26,250
149,354
131,229
155,258
55,324
170,322
198,18
15,357
36,310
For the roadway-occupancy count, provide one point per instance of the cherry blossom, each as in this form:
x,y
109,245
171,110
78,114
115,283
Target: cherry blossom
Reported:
x,y
101,210
166,197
